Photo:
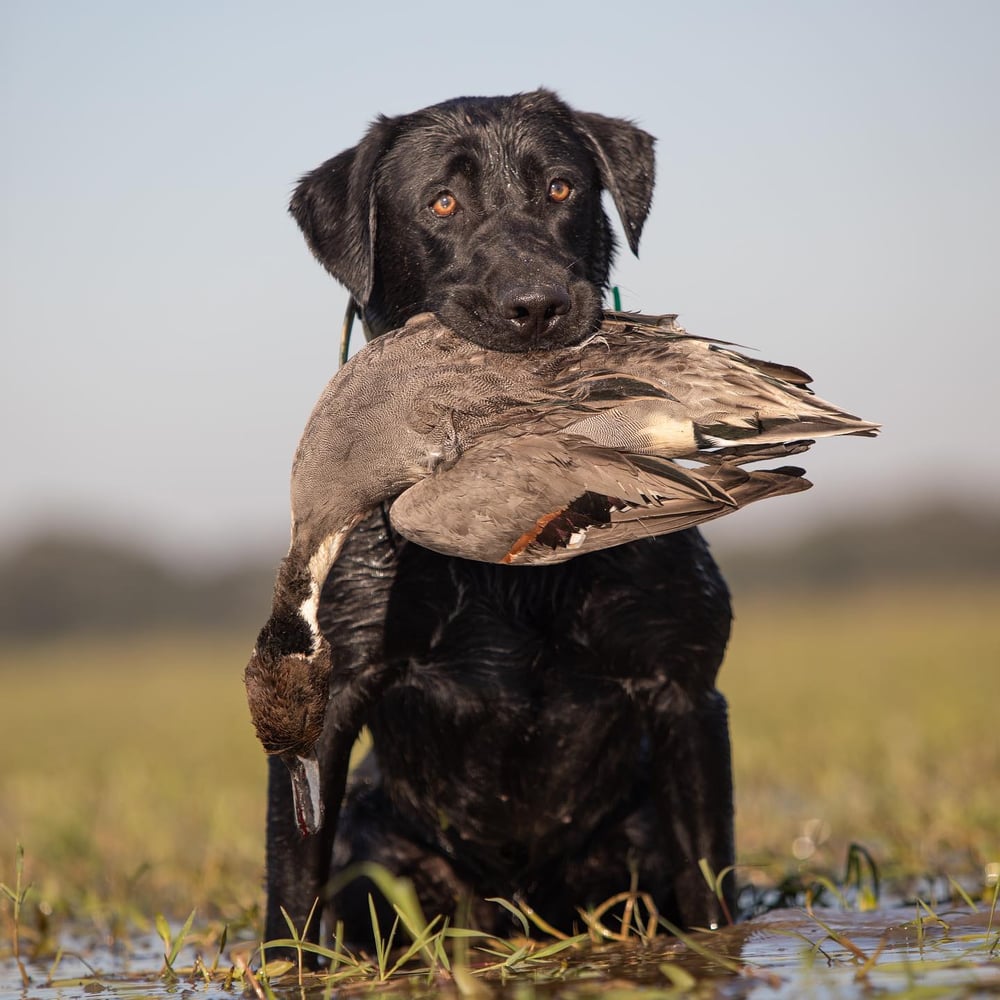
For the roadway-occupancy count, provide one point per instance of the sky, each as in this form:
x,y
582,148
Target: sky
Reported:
x,y
827,193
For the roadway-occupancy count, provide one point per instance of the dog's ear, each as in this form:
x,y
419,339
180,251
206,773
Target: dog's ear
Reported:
x,y
334,206
627,166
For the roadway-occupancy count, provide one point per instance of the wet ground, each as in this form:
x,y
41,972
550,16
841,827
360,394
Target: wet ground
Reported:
x,y
787,954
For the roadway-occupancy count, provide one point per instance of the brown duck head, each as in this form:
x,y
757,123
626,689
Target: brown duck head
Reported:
x,y
287,682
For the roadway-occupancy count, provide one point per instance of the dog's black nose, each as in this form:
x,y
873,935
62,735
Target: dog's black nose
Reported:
x,y
533,309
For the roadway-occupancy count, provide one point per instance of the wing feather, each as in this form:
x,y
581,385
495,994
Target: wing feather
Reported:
x,y
549,500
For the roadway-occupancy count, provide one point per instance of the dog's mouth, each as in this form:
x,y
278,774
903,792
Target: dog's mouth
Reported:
x,y
519,318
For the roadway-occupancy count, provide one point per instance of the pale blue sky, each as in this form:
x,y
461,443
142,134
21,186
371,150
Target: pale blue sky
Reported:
x,y
827,193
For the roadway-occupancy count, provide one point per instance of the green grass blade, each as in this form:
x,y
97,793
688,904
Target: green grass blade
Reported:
x,y
397,890
178,944
163,929
515,910
380,951
698,948
341,957
548,950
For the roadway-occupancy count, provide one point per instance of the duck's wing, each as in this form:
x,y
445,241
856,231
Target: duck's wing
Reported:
x,y
701,414
621,319
739,398
539,500
655,389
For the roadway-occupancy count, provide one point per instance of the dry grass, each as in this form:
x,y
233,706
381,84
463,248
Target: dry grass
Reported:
x,y
871,717
130,772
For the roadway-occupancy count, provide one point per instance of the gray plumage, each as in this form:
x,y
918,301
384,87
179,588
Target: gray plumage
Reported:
x,y
524,459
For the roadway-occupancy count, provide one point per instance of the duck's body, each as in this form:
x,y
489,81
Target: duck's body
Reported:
x,y
536,458
519,459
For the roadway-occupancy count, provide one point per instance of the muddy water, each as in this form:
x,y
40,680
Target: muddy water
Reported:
x,y
785,954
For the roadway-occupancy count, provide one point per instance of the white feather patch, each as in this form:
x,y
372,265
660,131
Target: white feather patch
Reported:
x,y
319,566
670,435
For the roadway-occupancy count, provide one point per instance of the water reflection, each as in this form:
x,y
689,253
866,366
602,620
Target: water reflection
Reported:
x,y
787,953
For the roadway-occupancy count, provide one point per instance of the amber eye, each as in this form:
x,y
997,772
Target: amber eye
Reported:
x,y
445,204
560,190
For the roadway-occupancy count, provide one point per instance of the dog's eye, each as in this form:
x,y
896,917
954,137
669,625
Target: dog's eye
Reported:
x,y
560,190
444,204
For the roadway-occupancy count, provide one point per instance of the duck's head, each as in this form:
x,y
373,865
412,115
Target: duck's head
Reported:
x,y
287,691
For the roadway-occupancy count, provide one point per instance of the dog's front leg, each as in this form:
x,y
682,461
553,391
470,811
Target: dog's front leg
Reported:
x,y
692,773
298,866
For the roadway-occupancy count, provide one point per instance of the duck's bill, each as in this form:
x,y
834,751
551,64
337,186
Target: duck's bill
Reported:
x,y
304,771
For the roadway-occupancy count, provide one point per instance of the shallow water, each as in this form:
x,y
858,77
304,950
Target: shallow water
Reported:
x,y
785,954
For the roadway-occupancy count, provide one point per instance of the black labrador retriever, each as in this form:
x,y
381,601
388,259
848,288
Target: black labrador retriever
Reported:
x,y
546,734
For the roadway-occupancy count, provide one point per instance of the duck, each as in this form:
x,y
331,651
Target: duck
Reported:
x,y
518,459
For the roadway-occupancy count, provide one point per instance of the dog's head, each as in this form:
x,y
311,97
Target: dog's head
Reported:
x,y
484,210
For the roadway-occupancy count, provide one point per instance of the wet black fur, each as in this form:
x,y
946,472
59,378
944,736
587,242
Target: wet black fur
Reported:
x,y
538,732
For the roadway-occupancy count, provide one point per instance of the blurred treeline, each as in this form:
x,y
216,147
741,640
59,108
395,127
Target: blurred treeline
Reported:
x,y
934,546
57,583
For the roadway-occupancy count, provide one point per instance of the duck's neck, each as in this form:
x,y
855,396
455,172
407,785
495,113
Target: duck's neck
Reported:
x,y
293,626
287,631
323,556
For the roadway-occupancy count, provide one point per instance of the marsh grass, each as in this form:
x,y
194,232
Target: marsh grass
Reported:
x,y
15,896
130,772
936,953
